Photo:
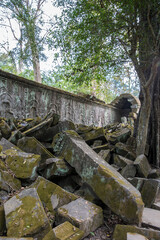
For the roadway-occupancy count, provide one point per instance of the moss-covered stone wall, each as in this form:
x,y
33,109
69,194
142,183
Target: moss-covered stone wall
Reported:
x,y
22,98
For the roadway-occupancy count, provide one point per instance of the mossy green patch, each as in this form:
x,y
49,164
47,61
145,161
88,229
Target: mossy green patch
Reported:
x,y
23,165
28,217
1,148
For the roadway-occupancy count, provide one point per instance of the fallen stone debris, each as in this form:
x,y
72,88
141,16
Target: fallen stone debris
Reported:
x,y
62,181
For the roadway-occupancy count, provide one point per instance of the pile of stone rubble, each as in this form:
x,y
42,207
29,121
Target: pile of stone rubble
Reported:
x,y
58,179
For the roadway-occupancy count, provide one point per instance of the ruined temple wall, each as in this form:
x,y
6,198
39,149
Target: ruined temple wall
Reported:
x,y
22,98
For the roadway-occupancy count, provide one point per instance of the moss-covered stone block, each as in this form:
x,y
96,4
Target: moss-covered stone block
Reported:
x,y
96,133
121,161
56,167
65,231
106,182
105,154
8,182
125,151
23,165
82,214
142,165
51,195
120,232
120,135
150,192
25,215
32,145
5,129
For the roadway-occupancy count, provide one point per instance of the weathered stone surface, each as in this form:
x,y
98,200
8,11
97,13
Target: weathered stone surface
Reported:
x,y
120,232
142,165
87,193
15,136
150,192
107,146
8,182
120,135
50,132
97,143
135,236
106,182
51,195
154,173
150,218
2,220
137,182
5,129
32,145
7,144
129,171
121,161
23,165
95,134
1,148
125,151
39,129
25,215
105,154
81,213
65,231
10,238
156,205
56,167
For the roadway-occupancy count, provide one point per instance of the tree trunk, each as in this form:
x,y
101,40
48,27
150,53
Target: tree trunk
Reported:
x,y
36,68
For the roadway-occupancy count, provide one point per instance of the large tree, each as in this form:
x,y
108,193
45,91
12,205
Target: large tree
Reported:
x,y
28,15
97,34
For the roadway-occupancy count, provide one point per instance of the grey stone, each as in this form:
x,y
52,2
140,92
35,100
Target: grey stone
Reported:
x,y
121,161
120,232
150,192
107,146
125,151
97,143
65,231
25,215
52,195
7,145
135,236
11,238
142,165
137,182
32,145
150,218
120,135
81,213
129,171
23,165
106,182
105,154
56,167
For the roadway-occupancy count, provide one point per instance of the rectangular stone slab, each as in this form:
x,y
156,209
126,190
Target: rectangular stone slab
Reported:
x,y
120,232
151,218
106,182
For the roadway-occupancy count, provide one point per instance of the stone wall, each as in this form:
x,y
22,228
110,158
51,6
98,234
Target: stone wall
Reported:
x,y
22,98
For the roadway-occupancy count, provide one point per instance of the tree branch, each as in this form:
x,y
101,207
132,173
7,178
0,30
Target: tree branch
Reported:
x,y
154,70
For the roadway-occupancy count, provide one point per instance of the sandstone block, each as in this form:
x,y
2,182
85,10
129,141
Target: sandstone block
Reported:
x,y
121,161
23,165
135,236
150,192
150,218
82,214
142,165
56,167
105,154
32,145
25,215
129,171
51,195
65,231
106,182
120,232
125,151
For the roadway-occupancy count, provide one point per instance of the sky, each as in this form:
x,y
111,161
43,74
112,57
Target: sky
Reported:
x,y
5,33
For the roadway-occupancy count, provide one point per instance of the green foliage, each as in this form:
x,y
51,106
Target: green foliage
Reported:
x,y
88,37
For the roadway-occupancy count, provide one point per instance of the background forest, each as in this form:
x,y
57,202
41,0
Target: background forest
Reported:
x,y
68,44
